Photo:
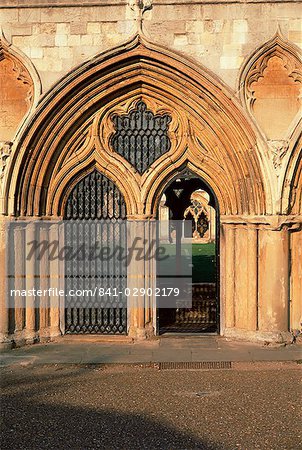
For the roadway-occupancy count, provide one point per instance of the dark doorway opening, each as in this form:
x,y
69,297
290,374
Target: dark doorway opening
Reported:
x,y
191,202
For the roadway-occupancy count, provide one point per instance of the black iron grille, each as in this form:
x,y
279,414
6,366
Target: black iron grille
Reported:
x,y
94,198
141,136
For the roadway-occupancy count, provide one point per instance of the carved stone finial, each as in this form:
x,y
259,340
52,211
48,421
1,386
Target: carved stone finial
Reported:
x,y
5,151
140,7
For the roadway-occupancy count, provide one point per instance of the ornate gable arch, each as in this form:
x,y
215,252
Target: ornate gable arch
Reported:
x,y
276,63
70,132
25,73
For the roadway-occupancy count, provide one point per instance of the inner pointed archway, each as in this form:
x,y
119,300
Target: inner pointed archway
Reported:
x,y
189,219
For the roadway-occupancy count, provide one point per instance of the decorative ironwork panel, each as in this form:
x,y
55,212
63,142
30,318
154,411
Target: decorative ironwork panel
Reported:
x,y
141,136
95,211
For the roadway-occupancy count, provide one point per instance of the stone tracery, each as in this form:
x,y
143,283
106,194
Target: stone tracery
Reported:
x,y
270,86
210,136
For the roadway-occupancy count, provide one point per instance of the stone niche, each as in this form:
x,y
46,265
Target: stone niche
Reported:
x,y
270,86
16,95
276,98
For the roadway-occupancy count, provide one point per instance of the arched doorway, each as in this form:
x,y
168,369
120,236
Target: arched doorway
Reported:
x,y
189,225
94,212
208,133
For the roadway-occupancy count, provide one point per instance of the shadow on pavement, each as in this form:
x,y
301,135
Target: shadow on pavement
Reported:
x,y
31,419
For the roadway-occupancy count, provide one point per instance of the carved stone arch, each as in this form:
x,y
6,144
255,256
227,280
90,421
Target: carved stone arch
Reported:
x,y
66,181
292,185
26,79
277,61
73,182
73,125
155,194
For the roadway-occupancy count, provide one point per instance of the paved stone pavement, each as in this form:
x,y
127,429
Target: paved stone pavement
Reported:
x,y
78,350
252,406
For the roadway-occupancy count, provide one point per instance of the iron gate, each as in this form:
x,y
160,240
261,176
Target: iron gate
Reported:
x,y
94,218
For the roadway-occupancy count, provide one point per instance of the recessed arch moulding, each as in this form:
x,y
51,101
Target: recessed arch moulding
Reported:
x,y
70,132
69,136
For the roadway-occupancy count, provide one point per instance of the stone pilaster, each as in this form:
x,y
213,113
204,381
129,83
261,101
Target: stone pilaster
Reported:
x,y
228,267
54,271
273,279
5,341
19,284
139,312
44,286
30,310
296,278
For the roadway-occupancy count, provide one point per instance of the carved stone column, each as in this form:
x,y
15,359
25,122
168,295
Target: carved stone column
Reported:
x,y
54,271
19,284
296,278
44,286
252,278
139,313
5,341
273,279
228,268
30,265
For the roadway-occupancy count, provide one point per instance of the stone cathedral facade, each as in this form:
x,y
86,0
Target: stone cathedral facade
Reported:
x,y
219,86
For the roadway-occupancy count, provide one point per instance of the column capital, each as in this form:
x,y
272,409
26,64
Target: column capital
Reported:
x,y
270,222
142,217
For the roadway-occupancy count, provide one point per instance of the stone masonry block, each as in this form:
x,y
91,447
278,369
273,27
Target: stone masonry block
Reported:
x,y
9,16
48,28
78,28
114,39
36,28
295,25
21,41
239,38
22,30
193,38
74,40
65,53
97,39
180,40
81,14
109,28
93,27
36,52
87,39
49,64
195,26
126,26
295,36
61,40
231,50
240,26
185,12
63,28
27,15
51,52
43,40
230,62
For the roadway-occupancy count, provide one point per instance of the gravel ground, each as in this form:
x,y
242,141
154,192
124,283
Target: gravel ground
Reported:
x,y
76,407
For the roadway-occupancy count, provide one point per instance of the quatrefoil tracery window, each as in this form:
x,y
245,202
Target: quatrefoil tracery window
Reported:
x,y
141,136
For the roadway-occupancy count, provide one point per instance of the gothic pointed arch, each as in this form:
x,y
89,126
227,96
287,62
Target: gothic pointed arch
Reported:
x,y
74,125
21,86
292,184
270,87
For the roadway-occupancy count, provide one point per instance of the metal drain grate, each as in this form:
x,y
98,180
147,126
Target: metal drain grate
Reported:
x,y
196,365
